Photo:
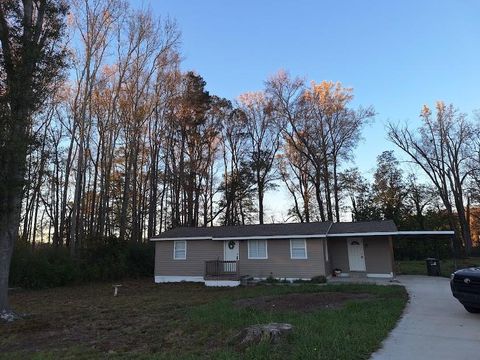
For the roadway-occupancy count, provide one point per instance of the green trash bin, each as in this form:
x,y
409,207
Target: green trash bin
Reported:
x,y
433,266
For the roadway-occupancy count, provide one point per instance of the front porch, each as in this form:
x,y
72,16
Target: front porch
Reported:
x,y
222,273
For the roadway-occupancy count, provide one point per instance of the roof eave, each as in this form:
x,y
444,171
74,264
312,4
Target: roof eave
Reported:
x,y
425,232
310,236
371,233
181,238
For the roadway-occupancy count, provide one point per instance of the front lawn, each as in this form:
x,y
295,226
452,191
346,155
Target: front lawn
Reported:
x,y
447,266
189,321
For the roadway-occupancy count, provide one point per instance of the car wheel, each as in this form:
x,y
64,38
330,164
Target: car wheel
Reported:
x,y
471,309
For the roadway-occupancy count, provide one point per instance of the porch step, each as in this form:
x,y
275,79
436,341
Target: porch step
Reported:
x,y
357,274
222,277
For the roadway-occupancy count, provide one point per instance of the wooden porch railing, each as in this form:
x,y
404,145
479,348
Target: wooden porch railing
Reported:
x,y
221,269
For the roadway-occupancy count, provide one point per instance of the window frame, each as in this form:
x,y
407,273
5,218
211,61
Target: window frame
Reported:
x,y
175,248
304,247
266,249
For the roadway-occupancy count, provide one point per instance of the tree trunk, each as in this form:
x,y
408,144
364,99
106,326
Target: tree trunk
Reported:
x,y
9,221
260,203
318,195
336,190
13,168
77,201
63,211
125,199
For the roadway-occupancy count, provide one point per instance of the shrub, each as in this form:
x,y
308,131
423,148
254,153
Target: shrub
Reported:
x,y
44,267
100,260
320,279
271,280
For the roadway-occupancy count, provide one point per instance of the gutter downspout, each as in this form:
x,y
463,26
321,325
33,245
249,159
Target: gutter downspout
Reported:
x,y
326,250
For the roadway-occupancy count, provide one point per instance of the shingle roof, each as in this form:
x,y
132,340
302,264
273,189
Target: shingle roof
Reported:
x,y
321,229
362,227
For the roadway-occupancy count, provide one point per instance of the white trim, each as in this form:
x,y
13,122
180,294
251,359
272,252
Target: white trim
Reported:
x,y
289,279
182,238
389,275
174,279
309,236
304,246
226,283
369,275
373,233
389,233
267,237
443,232
257,258
174,245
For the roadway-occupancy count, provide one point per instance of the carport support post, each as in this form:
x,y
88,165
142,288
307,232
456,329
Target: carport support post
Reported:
x,y
392,255
452,241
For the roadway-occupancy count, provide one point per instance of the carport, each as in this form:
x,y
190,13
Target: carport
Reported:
x,y
434,237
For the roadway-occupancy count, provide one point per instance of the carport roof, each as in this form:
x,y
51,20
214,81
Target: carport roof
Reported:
x,y
362,227
288,231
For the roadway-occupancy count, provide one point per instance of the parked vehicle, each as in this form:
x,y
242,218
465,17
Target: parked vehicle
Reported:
x,y
465,285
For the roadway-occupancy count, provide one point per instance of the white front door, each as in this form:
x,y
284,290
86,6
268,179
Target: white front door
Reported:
x,y
231,253
356,254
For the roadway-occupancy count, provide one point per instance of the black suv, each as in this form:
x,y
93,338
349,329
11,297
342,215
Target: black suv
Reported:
x,y
465,284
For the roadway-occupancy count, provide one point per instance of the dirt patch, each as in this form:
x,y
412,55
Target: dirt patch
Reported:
x,y
301,302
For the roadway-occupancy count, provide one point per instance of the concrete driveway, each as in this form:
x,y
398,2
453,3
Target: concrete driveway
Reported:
x,y
434,326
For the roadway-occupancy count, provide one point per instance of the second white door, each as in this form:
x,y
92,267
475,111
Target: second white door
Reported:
x,y
356,254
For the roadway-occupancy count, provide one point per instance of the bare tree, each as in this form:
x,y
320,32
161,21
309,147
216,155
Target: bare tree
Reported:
x,y
421,196
264,141
294,169
95,21
440,147
319,121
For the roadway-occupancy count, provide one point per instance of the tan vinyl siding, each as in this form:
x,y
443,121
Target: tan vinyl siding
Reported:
x,y
198,251
328,262
280,265
378,256
338,254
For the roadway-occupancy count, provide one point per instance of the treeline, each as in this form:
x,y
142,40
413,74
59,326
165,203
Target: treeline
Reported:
x,y
102,260
129,145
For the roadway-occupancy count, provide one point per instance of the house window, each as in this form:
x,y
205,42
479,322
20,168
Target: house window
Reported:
x,y
257,249
179,250
298,249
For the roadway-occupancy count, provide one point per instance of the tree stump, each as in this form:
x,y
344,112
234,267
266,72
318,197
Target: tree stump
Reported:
x,y
254,334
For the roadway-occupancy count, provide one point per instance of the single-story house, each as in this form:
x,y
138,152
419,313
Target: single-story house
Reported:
x,y
222,255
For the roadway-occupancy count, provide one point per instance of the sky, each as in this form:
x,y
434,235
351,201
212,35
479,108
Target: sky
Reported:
x,y
397,55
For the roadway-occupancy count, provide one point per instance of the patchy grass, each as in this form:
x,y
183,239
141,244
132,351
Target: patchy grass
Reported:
x,y
447,266
188,321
